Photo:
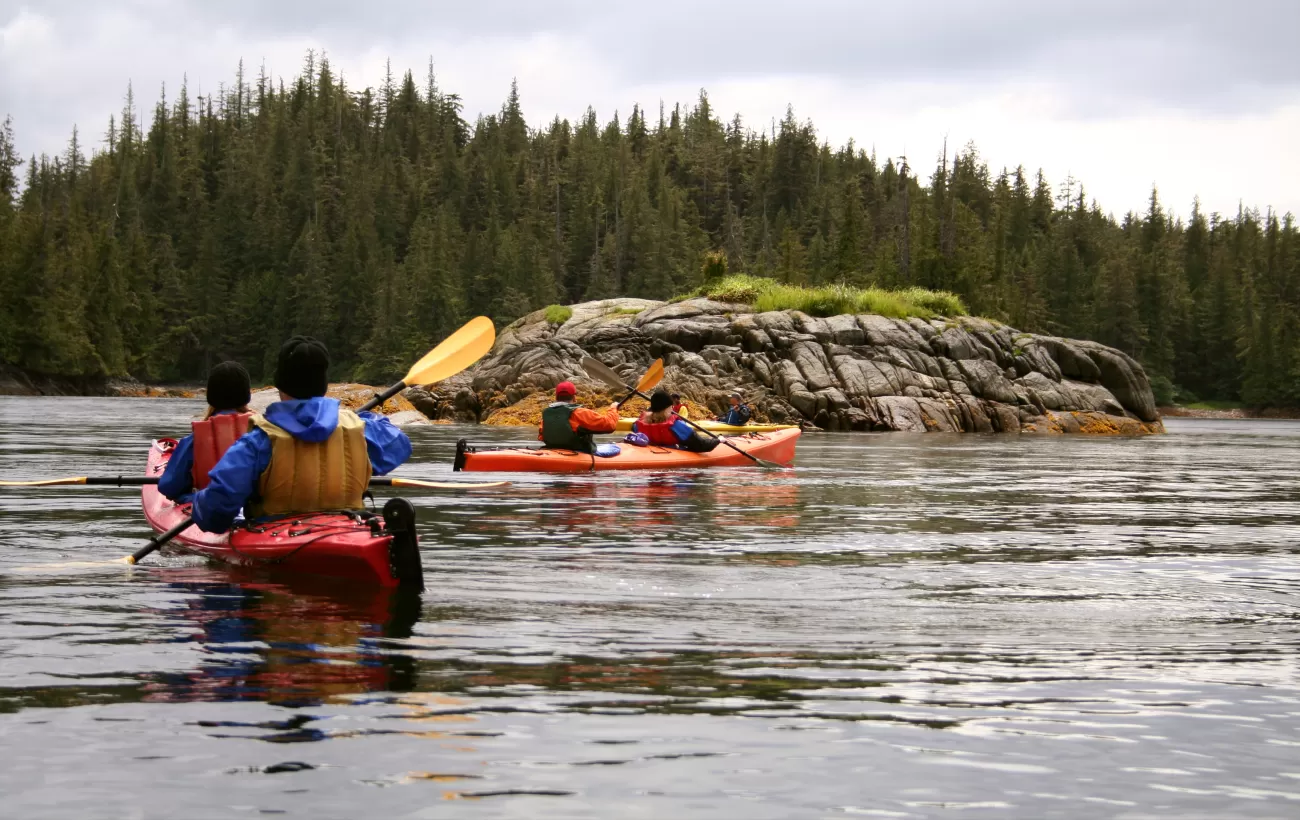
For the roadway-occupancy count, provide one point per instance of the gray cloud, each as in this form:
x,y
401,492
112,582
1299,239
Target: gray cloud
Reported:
x,y
65,61
1177,53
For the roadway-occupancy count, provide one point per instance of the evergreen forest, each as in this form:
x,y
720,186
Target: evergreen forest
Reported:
x,y
379,220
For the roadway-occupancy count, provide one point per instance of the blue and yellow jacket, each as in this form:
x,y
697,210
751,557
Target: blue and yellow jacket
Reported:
x,y
240,478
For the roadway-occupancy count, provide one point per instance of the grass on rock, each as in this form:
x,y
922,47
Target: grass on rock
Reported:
x,y
832,300
558,314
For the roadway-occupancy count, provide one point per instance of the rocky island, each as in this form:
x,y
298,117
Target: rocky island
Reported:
x,y
846,372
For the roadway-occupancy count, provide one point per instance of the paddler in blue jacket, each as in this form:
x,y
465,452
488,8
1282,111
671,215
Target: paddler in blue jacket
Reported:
x,y
738,414
305,454
228,394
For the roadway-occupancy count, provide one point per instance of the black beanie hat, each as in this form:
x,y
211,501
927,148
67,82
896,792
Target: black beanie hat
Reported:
x,y
660,401
302,370
228,386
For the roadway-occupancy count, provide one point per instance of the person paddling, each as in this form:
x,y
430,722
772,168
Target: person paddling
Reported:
x,y
738,414
567,425
678,407
305,454
666,429
226,419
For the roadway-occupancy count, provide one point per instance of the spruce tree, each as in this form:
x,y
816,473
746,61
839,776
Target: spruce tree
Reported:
x,y
379,220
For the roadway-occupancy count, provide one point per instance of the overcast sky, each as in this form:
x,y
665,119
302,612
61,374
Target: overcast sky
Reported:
x,y
1199,98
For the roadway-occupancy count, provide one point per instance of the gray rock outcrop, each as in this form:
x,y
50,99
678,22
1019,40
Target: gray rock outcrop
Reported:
x,y
851,372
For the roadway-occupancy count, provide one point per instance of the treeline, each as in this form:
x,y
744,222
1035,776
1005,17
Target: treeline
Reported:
x,y
378,220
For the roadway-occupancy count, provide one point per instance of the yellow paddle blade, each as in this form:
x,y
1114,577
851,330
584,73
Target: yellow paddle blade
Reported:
x,y
49,482
652,377
447,485
455,353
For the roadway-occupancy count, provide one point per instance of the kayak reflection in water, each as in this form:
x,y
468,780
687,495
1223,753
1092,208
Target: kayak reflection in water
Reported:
x,y
289,645
664,428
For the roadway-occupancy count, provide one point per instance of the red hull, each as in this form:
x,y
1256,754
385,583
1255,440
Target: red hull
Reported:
x,y
325,544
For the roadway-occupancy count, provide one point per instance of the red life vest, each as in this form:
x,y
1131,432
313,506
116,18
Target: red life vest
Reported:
x,y
212,438
660,433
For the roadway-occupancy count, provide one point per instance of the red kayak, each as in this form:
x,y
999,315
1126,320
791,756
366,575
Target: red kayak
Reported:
x,y
361,546
777,446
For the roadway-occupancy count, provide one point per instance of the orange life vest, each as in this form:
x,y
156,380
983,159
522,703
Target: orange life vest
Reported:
x,y
660,433
212,438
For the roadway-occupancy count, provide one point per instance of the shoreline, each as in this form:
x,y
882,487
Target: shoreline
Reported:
x,y
1235,414
17,382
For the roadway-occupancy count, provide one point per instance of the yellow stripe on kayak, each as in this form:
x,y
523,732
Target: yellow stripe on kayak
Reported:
x,y
625,425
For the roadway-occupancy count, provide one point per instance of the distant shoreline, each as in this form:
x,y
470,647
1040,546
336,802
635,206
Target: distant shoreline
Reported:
x,y
1241,413
16,382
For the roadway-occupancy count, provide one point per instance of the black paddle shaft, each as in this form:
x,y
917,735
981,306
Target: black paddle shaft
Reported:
x,y
380,398
160,539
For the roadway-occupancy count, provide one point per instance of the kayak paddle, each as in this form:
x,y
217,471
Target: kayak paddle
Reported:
x,y
602,372
653,375
158,540
455,353
162,538
145,480
393,481
96,481
452,355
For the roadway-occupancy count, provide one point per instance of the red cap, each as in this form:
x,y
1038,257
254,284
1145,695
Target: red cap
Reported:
x,y
565,389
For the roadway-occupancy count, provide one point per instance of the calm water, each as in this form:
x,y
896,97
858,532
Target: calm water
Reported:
x,y
904,626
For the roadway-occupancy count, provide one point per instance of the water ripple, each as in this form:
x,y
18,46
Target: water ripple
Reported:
x,y
903,626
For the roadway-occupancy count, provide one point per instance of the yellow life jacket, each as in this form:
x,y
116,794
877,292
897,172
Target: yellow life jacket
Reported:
x,y
306,476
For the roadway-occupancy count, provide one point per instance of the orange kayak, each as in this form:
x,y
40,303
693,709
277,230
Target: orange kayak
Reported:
x,y
777,446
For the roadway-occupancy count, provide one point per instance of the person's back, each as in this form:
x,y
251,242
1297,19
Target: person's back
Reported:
x,y
227,418
659,427
665,428
306,453
211,438
318,458
679,408
567,425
